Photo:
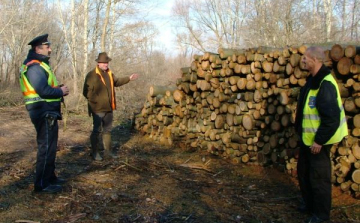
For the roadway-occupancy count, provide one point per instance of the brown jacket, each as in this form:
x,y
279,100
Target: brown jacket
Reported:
x,y
98,94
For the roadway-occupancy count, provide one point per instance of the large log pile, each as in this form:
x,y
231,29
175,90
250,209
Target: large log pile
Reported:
x,y
241,104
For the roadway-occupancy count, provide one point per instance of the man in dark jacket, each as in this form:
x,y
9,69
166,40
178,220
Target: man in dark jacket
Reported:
x,y
42,96
320,122
100,93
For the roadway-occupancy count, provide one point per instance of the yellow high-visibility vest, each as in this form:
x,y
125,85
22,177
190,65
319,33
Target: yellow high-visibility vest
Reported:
x,y
311,119
29,93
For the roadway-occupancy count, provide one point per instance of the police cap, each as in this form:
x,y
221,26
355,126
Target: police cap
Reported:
x,y
39,40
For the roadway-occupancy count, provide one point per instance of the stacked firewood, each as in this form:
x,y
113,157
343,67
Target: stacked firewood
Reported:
x,y
241,104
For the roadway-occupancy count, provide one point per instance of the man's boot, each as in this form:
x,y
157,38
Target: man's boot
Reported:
x,y
94,139
106,137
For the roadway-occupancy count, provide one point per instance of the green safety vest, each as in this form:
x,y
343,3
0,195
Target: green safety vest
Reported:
x,y
311,119
29,93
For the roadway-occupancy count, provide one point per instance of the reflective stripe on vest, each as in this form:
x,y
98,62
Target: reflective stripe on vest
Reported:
x,y
311,119
29,93
111,83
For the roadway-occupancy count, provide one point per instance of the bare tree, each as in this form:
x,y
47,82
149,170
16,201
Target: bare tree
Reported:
x,y
70,41
17,30
85,38
328,16
104,28
355,20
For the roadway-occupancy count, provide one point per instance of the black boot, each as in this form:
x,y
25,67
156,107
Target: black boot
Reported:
x,y
106,137
94,139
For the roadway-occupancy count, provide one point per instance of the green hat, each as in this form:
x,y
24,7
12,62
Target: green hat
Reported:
x,y
103,58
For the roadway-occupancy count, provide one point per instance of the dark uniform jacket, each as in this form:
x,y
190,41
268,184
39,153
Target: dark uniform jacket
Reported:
x,y
326,104
38,78
98,95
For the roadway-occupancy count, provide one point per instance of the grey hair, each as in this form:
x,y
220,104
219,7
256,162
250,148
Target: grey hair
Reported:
x,y
316,52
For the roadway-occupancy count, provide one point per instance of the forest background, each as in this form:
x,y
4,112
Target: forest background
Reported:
x,y
129,31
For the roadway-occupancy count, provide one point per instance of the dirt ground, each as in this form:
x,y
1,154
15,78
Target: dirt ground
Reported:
x,y
148,183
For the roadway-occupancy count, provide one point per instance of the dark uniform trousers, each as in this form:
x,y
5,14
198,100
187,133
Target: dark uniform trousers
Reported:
x,y
314,173
47,138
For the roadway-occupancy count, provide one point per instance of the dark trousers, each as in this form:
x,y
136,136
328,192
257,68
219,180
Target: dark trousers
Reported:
x,y
102,122
47,138
314,175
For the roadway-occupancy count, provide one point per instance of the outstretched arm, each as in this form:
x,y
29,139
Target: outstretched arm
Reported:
x,y
134,76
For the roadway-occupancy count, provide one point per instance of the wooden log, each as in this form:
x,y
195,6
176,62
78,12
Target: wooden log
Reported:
x,y
237,119
250,85
224,53
351,51
356,120
248,122
214,58
241,84
282,60
340,180
355,187
357,101
185,87
355,176
233,80
274,141
207,55
350,106
208,76
245,158
258,77
357,164
302,82
262,159
215,83
246,69
357,59
216,103
160,90
249,96
237,68
343,166
344,91
275,126
294,59
200,72
293,141
289,69
277,68
349,82
293,79
267,66
344,65
194,65
300,73
229,119
343,151
241,59
345,186
178,95
337,52
355,68
254,68
219,122
355,149
285,120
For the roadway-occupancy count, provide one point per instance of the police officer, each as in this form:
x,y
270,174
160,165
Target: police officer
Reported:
x,y
42,96
320,122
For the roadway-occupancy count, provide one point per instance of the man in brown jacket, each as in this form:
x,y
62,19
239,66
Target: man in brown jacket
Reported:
x,y
100,93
